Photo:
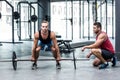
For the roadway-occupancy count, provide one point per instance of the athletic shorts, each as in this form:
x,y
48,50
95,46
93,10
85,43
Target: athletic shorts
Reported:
x,y
106,54
45,46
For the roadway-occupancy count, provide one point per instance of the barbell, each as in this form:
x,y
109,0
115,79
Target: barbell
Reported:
x,y
23,21
15,60
16,15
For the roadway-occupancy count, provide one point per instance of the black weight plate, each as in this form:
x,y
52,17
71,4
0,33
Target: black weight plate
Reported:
x,y
14,62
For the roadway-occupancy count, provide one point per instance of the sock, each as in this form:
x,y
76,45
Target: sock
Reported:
x,y
105,63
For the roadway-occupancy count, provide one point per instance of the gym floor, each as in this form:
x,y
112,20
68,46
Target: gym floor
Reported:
x,y
47,69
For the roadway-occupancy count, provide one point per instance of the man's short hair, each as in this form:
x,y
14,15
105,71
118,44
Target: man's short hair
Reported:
x,y
44,21
98,24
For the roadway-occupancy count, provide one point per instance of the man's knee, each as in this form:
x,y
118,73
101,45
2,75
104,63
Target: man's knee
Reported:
x,y
53,49
96,62
95,51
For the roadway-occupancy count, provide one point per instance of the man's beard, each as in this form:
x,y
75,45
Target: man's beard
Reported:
x,y
44,31
95,33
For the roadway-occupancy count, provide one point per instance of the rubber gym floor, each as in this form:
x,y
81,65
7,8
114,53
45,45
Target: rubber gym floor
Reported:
x,y
47,69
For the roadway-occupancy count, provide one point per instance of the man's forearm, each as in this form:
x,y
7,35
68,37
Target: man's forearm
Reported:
x,y
58,51
90,46
33,50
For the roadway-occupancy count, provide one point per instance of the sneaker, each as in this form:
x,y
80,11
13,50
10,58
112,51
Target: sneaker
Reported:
x,y
103,66
58,66
114,61
34,66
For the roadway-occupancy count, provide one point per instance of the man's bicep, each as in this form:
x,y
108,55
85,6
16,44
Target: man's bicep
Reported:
x,y
35,40
54,39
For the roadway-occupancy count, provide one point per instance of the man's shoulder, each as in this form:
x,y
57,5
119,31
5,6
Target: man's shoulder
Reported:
x,y
102,33
52,34
37,34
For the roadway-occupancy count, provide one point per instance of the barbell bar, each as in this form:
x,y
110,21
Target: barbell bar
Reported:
x,y
81,59
14,60
23,21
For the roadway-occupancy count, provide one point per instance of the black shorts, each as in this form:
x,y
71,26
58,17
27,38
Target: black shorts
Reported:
x,y
106,54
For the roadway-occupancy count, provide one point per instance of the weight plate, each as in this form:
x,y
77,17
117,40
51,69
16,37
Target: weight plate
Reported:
x,y
14,62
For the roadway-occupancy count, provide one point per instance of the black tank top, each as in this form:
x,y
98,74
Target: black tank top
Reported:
x,y
45,41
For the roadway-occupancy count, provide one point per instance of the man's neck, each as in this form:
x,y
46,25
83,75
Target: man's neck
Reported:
x,y
99,32
44,33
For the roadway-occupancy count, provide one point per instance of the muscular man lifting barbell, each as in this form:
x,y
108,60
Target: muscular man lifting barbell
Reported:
x,y
45,37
